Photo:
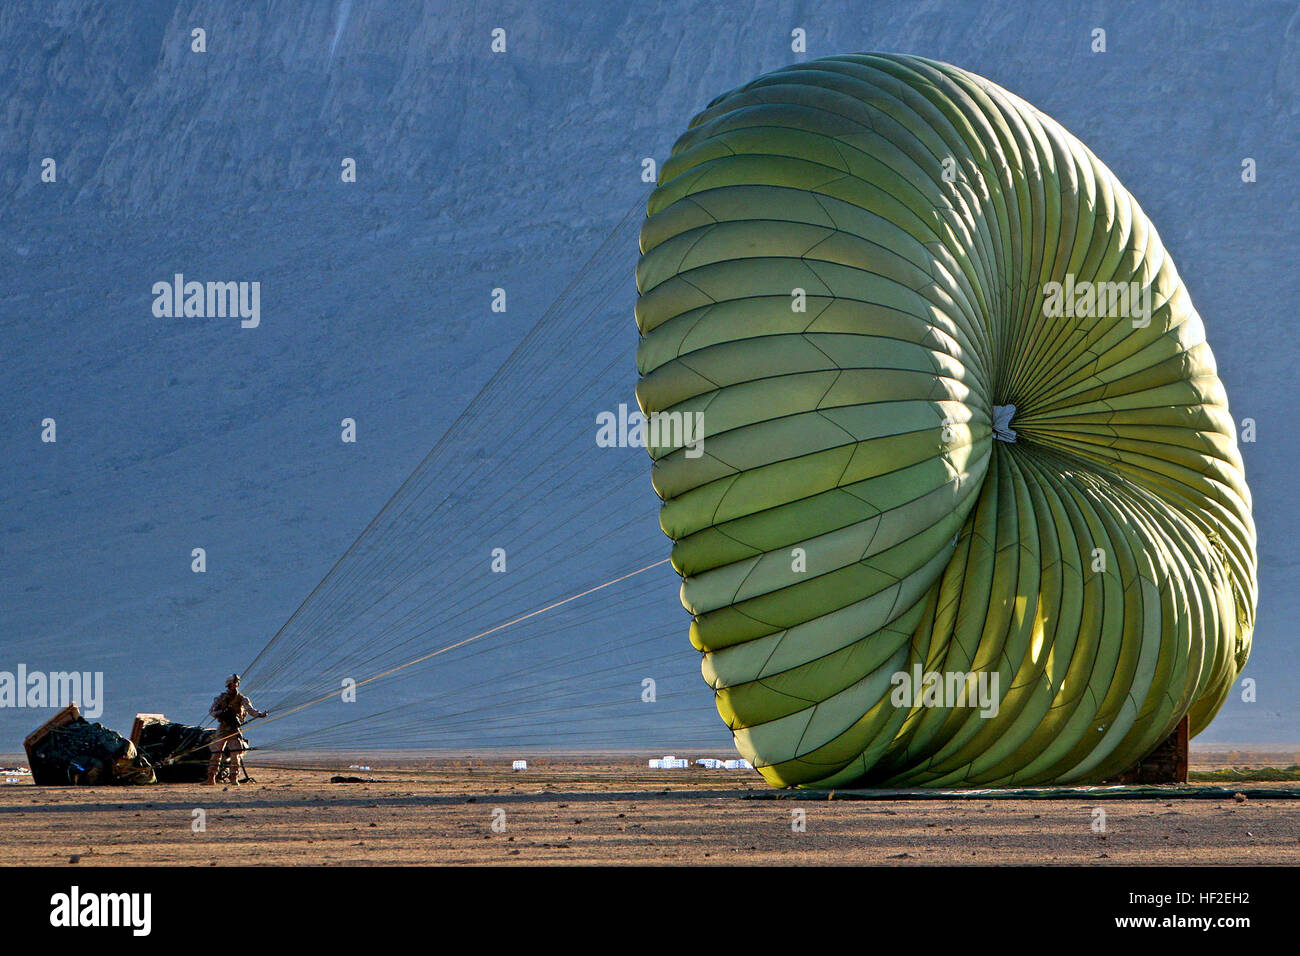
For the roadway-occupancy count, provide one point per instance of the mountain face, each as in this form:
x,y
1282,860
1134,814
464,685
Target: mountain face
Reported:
x,y
478,170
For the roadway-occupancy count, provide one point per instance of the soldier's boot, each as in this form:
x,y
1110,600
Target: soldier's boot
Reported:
x,y
214,770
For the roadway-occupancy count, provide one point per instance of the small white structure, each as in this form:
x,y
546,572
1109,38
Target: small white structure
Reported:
x,y
669,762
710,763
519,765
737,765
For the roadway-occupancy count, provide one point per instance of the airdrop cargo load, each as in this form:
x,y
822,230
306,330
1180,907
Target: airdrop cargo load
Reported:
x,y
69,750
179,752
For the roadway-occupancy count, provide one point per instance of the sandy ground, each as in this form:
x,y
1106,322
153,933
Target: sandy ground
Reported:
x,y
611,810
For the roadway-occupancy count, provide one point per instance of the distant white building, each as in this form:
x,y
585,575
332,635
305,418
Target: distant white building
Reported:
x,y
669,762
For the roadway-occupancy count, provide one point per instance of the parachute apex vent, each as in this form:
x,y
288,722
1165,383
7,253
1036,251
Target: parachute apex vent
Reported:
x,y
1002,429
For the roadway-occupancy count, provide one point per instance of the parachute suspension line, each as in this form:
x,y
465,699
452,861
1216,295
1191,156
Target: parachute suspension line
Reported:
x,y
465,689
451,613
430,525
615,731
466,597
432,654
468,640
425,528
487,703
452,734
521,349
533,693
488,700
514,467
446,619
582,654
472,690
542,523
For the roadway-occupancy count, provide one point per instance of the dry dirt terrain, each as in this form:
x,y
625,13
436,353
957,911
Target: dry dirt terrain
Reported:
x,y
615,810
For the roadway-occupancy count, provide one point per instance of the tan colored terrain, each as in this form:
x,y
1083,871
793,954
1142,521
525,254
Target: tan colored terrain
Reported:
x,y
614,810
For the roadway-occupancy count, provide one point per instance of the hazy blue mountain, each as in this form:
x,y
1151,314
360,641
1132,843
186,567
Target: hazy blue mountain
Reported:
x,y
475,171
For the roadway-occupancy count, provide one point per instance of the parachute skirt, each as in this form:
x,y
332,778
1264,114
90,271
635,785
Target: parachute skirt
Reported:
x,y
849,267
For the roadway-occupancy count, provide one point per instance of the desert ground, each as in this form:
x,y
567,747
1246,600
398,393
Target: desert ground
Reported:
x,y
611,809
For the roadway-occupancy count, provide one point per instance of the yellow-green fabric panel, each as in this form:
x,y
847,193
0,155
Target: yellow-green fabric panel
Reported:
x,y
848,268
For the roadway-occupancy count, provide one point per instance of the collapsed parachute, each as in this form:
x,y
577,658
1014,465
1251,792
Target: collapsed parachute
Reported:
x,y
960,418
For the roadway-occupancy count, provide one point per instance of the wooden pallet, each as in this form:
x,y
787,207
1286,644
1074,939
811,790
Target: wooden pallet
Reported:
x,y
67,715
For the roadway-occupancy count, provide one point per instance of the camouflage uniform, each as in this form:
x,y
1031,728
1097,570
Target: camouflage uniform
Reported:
x,y
231,709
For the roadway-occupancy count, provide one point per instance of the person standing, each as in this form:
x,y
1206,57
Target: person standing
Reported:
x,y
231,710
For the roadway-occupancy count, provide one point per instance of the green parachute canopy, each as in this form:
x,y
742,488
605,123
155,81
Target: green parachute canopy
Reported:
x,y
968,507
